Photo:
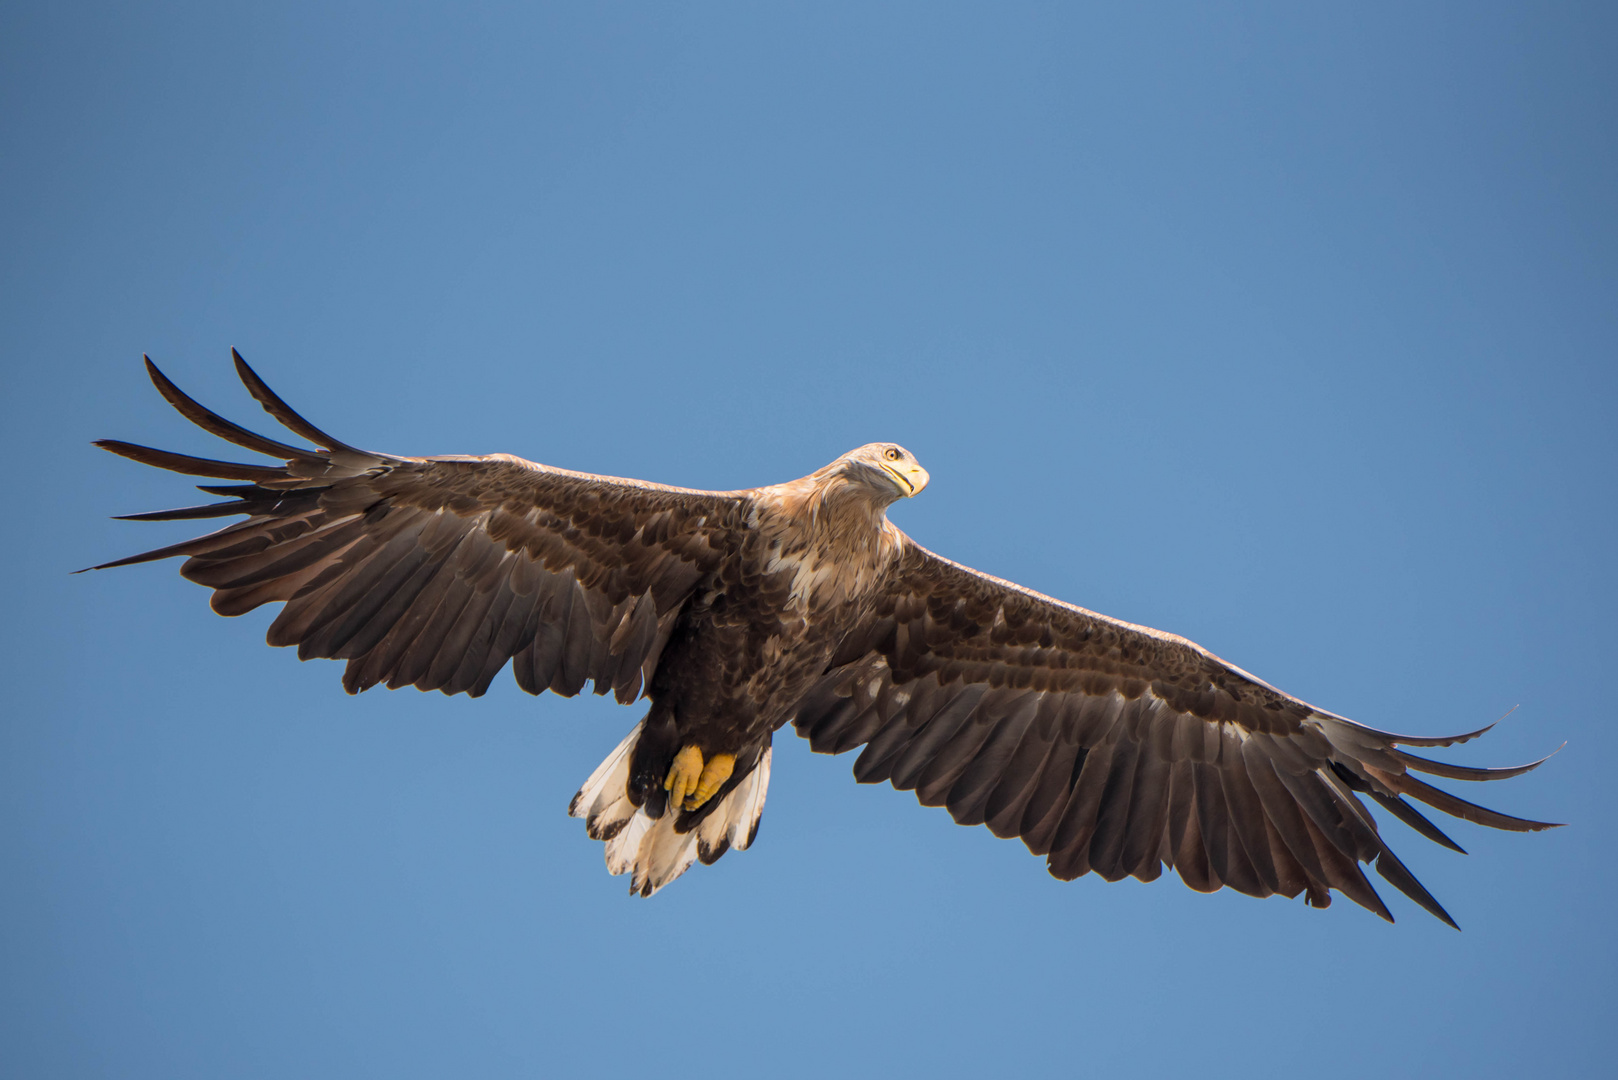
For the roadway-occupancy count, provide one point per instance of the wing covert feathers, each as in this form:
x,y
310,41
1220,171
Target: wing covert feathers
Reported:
x,y
1118,749
437,572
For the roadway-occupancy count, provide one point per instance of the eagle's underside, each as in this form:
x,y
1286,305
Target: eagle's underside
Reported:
x,y
1104,746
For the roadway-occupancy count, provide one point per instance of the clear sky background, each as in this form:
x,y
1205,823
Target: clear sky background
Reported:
x,y
1290,328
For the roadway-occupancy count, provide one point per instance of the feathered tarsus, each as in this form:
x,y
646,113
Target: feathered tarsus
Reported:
x,y
1104,746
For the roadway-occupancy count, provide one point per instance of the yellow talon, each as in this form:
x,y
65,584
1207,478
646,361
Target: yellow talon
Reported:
x,y
714,775
691,782
684,774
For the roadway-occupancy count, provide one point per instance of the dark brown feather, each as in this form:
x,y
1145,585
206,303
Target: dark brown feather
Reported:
x,y
1466,772
191,466
283,412
191,513
215,424
1458,807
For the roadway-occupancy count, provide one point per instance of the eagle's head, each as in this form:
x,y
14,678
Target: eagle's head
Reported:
x,y
885,472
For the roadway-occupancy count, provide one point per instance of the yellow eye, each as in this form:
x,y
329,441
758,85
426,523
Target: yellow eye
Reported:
x,y
893,453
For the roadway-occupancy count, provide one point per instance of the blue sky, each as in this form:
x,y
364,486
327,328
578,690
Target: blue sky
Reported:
x,y
1289,328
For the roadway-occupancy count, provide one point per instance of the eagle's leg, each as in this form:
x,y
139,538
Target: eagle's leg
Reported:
x,y
692,781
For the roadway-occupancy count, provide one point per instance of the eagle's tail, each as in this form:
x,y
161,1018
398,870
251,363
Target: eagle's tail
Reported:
x,y
658,850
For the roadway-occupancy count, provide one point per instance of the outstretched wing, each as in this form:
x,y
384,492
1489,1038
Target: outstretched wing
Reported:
x,y
1116,748
434,572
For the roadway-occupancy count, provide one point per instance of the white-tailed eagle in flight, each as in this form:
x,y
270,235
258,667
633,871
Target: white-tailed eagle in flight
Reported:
x,y
1102,745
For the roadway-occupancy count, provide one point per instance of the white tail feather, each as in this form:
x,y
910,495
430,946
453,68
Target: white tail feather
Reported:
x,y
624,849
663,856
734,822
649,848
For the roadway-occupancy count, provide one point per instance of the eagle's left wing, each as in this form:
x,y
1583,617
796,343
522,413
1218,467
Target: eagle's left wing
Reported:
x,y
1116,748
436,572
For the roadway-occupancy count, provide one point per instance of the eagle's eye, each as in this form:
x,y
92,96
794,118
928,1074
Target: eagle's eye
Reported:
x,y
893,453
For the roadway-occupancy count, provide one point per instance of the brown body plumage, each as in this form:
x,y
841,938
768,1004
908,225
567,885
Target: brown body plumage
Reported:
x,y
756,634
1104,746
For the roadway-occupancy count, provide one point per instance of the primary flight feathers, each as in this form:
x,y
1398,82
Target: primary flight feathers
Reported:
x,y
1104,746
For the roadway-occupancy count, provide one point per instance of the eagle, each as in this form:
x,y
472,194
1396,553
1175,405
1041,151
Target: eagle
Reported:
x,y
1104,746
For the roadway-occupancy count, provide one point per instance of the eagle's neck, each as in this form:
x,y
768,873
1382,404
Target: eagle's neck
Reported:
x,y
830,533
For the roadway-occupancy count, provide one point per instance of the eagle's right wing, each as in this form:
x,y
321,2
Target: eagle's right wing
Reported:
x,y
1117,748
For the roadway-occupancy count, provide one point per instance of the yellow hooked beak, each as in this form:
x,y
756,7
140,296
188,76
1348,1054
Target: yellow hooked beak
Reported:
x,y
911,478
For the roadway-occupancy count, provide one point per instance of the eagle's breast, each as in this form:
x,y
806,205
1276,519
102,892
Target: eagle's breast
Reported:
x,y
829,544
